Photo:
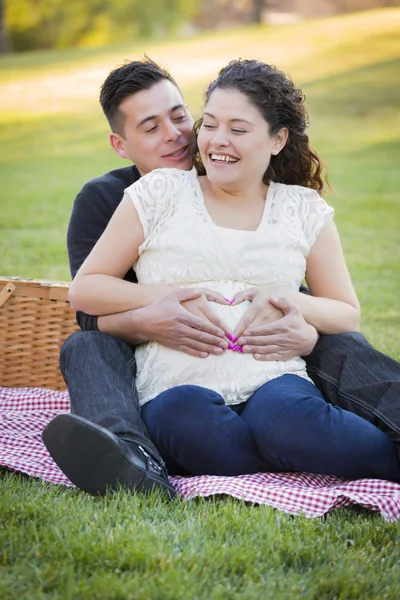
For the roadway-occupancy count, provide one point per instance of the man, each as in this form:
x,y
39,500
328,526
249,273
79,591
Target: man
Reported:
x,y
103,443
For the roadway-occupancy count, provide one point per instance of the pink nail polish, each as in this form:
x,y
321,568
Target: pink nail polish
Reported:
x,y
227,299
230,347
235,348
229,336
234,339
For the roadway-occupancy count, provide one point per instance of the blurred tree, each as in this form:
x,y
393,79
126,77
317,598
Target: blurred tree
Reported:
x,y
258,6
42,24
3,30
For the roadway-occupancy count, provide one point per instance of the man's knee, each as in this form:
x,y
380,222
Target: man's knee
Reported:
x,y
349,343
82,343
348,340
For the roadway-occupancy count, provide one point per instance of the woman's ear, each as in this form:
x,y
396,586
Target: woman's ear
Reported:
x,y
117,143
280,140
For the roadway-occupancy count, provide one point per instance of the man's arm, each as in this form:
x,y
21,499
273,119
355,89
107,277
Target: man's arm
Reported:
x,y
92,210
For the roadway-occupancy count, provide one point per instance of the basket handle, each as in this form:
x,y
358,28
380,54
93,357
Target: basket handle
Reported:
x,y
6,292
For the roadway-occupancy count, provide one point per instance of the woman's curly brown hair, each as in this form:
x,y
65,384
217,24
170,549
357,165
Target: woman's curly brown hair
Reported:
x,y
282,105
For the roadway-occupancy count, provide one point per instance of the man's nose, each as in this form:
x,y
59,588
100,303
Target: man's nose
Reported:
x,y
172,132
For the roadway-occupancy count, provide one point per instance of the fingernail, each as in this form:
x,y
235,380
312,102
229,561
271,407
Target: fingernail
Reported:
x,y
235,348
240,349
230,337
227,299
232,301
230,347
234,339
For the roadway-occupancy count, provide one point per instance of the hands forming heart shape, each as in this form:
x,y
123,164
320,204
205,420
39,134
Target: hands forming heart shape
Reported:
x,y
257,309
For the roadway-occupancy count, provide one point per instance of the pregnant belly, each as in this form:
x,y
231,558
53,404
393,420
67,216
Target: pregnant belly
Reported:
x,y
233,375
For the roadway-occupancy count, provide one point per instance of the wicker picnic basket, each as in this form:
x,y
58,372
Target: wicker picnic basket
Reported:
x,y
35,319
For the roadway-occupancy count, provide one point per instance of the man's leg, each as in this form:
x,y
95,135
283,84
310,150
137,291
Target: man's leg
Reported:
x,y
353,375
297,430
104,442
198,434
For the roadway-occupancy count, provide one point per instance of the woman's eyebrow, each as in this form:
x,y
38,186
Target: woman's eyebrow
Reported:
x,y
236,119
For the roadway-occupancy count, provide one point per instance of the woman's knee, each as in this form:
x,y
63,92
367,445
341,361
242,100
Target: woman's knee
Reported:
x,y
276,410
178,407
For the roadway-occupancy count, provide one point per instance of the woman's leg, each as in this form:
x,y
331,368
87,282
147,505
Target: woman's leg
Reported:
x,y
197,433
296,430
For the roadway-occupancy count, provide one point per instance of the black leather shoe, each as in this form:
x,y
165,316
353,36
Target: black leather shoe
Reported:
x,y
96,460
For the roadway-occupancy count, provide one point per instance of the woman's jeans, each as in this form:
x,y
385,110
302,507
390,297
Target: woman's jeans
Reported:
x,y
286,425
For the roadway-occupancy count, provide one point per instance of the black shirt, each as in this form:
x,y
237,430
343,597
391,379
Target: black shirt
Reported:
x,y
93,208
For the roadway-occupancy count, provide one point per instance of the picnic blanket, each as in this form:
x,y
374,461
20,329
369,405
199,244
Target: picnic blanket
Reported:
x,y
24,412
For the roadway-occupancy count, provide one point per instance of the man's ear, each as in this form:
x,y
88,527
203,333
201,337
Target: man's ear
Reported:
x,y
117,143
280,140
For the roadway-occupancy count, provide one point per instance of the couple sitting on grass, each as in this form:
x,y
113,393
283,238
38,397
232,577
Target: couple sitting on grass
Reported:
x,y
186,276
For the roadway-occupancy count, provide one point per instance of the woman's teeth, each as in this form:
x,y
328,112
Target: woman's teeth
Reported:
x,y
224,158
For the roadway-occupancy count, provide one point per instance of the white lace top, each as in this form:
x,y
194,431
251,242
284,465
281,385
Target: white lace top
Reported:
x,y
184,248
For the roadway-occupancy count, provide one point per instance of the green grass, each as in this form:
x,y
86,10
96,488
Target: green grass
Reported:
x,y
65,545
57,543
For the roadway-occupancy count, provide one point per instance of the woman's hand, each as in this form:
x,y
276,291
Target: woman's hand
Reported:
x,y
201,308
182,320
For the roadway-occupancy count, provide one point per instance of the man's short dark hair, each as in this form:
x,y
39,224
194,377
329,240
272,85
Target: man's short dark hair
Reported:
x,y
130,78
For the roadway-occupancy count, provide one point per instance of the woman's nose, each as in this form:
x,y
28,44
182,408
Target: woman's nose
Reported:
x,y
220,138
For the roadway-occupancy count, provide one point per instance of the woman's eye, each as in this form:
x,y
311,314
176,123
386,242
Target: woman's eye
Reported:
x,y
239,130
152,129
208,126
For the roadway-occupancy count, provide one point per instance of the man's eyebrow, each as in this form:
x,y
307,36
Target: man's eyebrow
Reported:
x,y
153,117
231,120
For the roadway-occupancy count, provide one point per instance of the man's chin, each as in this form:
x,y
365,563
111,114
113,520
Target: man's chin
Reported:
x,y
185,164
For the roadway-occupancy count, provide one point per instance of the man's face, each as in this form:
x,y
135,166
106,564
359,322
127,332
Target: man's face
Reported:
x,y
157,129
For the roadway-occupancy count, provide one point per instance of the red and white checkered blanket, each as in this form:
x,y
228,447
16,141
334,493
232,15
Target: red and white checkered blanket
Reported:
x,y
24,412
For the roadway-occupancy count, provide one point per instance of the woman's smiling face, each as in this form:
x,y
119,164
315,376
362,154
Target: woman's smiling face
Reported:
x,y
234,140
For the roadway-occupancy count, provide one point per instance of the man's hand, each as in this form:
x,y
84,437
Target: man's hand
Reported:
x,y
183,320
283,339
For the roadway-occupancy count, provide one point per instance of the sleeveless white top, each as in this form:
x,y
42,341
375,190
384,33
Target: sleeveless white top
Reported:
x,y
184,248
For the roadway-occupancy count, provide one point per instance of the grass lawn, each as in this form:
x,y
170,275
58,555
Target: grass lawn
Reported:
x,y
62,544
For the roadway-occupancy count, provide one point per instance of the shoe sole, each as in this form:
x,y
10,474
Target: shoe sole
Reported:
x,y
93,461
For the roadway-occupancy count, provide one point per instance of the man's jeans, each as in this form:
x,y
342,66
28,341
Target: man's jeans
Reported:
x,y
99,371
353,375
286,425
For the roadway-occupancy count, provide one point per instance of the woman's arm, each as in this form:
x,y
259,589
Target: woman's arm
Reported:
x,y
98,287
333,305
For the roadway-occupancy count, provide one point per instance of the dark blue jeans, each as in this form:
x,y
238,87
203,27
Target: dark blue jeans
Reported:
x,y
353,375
99,371
286,425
